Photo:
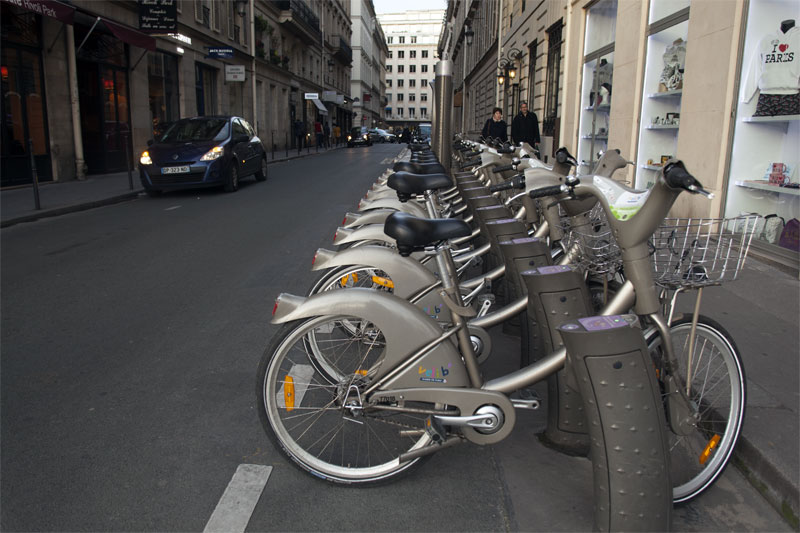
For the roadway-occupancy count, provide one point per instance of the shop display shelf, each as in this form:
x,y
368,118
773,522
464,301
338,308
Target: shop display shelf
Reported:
x,y
667,94
650,167
779,118
764,185
596,137
662,127
602,108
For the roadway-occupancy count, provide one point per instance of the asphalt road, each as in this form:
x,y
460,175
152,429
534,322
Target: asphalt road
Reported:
x,y
130,340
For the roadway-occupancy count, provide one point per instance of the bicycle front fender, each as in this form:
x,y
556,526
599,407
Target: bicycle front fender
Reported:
x,y
405,329
412,208
408,276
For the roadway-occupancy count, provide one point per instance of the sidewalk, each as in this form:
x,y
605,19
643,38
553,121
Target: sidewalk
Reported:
x,y
58,198
760,310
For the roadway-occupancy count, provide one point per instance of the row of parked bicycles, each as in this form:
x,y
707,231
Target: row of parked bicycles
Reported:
x,y
379,365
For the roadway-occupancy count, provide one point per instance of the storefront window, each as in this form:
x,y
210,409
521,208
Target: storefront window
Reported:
x,y
205,89
162,73
663,88
598,70
763,172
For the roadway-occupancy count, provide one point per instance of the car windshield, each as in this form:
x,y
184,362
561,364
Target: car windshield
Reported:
x,y
425,129
197,129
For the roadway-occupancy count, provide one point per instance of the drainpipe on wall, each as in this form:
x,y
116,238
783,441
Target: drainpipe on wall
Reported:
x,y
253,61
72,73
499,53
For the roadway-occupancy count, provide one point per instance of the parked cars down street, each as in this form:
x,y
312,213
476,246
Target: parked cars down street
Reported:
x,y
359,136
203,152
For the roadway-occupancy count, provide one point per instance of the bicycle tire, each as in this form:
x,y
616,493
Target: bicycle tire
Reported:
x,y
722,413
332,444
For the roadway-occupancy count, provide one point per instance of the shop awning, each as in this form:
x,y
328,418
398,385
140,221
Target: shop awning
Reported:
x,y
130,36
322,109
48,8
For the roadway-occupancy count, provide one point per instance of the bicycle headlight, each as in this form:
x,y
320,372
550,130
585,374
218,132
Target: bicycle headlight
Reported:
x,y
212,154
145,159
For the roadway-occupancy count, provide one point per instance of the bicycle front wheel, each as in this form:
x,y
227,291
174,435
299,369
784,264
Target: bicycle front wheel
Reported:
x,y
310,385
717,389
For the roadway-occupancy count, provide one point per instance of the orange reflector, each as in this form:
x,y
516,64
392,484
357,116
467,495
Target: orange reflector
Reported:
x,y
275,307
385,282
288,393
335,235
361,372
348,277
344,220
709,448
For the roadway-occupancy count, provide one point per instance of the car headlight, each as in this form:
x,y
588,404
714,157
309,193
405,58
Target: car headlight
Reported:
x,y
349,138
145,159
365,137
212,154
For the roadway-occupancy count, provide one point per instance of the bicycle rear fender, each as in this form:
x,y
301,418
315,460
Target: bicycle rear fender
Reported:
x,y
368,232
405,328
407,275
374,216
412,208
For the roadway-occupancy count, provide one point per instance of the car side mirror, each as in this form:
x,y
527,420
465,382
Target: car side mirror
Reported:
x,y
150,142
241,138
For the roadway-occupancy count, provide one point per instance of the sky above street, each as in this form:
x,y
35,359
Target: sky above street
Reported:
x,y
393,6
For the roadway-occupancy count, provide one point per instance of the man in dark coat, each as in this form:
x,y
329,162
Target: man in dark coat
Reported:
x,y
495,127
525,127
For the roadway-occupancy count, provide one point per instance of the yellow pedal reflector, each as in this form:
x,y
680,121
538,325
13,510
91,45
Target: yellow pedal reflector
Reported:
x,y
288,393
384,282
348,277
709,448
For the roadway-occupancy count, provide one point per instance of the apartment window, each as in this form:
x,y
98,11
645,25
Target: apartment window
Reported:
x,y
401,54
413,39
217,14
390,54
531,73
412,97
400,97
400,112
553,74
400,83
388,83
423,83
424,54
412,83
423,111
388,68
401,40
423,97
400,69
411,111
424,68
412,68
389,40
231,19
412,54
388,97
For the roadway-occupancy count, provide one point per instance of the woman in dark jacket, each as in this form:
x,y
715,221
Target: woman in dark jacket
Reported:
x,y
495,127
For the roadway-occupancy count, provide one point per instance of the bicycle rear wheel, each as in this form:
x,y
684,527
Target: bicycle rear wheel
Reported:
x,y
309,388
718,389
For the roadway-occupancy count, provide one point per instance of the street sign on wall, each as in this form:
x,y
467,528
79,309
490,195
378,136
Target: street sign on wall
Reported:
x,y
220,52
158,16
234,73
312,96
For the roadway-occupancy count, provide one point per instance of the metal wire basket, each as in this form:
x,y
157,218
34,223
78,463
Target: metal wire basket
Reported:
x,y
592,245
696,252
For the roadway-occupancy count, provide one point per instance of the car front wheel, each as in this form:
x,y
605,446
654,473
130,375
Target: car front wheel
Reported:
x,y
261,175
232,179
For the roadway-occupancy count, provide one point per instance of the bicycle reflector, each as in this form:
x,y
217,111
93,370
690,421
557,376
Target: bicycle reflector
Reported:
x,y
288,393
335,235
275,307
384,282
709,448
315,259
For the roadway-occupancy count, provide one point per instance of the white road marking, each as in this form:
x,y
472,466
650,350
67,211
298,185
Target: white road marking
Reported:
x,y
172,208
237,503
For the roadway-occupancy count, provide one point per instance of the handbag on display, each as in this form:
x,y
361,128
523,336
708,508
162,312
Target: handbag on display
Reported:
x,y
790,236
773,228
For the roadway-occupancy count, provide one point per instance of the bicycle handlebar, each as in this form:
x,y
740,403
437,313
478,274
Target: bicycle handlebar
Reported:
x,y
504,168
551,190
677,177
471,163
517,182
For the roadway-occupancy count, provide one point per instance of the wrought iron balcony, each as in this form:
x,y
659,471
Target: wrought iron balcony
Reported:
x,y
301,12
344,53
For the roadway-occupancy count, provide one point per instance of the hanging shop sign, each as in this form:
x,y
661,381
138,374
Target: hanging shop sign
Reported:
x,y
218,52
158,16
234,72
49,8
312,96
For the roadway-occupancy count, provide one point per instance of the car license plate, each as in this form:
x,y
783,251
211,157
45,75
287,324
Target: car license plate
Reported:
x,y
174,170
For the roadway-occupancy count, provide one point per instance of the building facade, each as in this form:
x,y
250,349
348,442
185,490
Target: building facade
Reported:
x,y
85,87
412,38
367,87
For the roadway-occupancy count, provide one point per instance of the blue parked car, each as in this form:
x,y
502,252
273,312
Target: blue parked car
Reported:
x,y
202,152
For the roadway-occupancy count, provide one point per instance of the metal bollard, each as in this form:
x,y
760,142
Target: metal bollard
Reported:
x,y
128,162
286,143
35,177
443,89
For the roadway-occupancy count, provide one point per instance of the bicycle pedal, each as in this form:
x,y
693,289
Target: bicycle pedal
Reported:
x,y
435,429
525,399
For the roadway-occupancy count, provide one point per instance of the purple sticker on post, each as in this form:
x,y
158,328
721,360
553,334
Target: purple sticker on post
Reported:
x,y
600,323
554,269
523,240
503,221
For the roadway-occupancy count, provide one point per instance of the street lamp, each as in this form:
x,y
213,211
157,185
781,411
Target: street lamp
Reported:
x,y
330,65
469,34
241,7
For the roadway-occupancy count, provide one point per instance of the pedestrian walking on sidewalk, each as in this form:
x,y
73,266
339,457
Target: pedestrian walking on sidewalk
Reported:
x,y
326,132
525,127
299,133
495,127
337,133
318,132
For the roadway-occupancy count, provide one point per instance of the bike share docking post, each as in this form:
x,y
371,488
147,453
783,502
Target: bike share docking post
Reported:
x,y
443,89
557,294
609,359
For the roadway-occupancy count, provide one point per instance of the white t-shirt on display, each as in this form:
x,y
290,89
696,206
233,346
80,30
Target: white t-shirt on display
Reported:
x,y
775,65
